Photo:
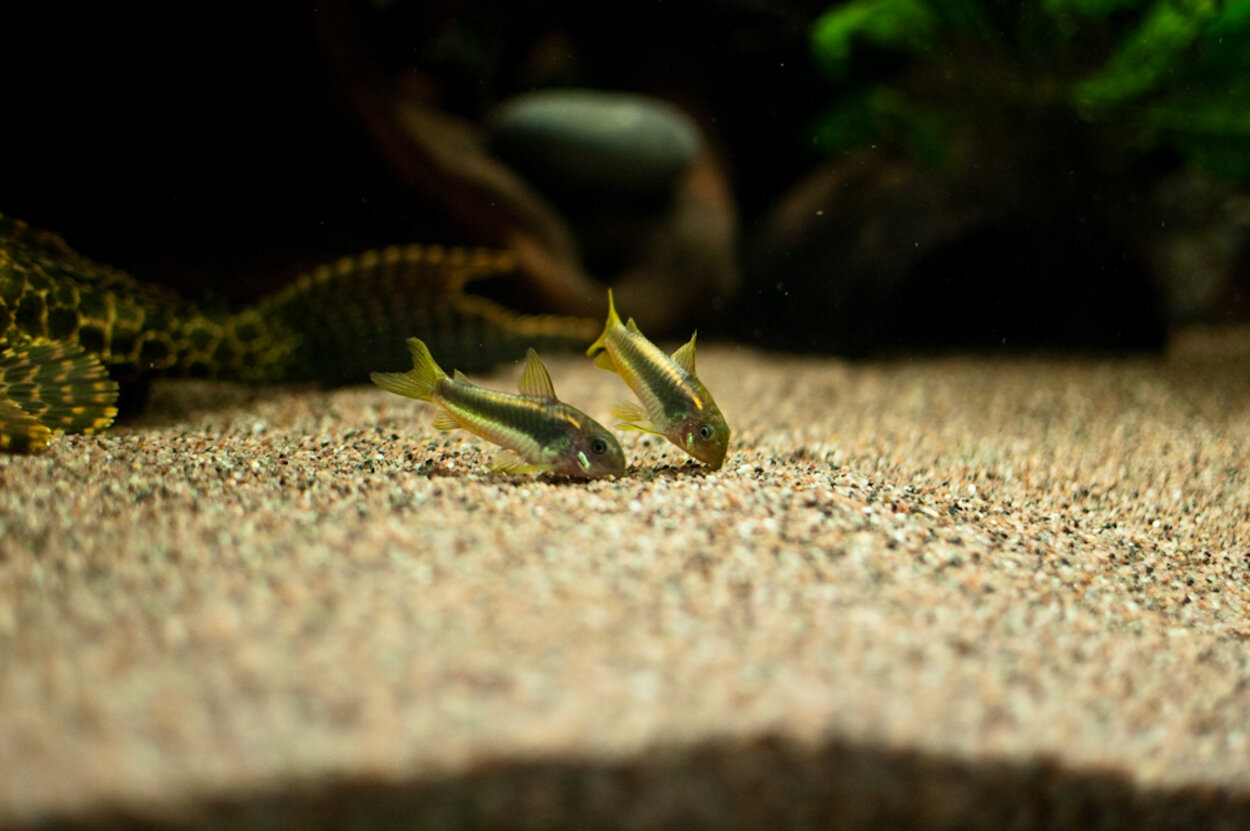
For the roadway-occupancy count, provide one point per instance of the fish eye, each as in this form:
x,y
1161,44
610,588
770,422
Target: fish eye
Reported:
x,y
598,446
705,432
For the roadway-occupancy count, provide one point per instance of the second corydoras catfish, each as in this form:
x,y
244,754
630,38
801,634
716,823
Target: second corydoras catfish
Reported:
x,y
675,404
540,433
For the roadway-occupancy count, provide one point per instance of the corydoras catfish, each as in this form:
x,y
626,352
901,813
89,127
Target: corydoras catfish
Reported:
x,y
675,404
538,432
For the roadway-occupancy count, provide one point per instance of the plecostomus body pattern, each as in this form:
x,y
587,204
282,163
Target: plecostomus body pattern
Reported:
x,y
74,333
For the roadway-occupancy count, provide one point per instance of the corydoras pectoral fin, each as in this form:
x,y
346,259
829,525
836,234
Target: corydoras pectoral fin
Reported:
x,y
633,417
641,428
535,380
633,327
629,412
507,461
684,356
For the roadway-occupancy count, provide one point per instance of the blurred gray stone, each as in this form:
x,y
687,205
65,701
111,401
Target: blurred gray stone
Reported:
x,y
578,143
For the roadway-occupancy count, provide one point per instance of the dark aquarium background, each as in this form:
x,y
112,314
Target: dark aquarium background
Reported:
x,y
854,178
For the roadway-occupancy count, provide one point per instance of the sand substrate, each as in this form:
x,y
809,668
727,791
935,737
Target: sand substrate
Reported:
x,y
956,592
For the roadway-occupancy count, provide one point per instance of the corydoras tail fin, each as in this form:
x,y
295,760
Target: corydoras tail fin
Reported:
x,y
684,356
417,382
602,343
535,380
603,360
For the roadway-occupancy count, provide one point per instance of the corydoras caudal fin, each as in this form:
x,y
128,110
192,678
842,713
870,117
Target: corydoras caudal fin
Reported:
x,y
417,382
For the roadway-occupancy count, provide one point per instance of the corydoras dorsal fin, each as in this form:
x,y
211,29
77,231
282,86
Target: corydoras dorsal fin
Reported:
x,y
535,380
684,356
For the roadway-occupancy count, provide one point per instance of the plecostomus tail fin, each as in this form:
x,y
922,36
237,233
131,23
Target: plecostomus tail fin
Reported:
x,y
344,319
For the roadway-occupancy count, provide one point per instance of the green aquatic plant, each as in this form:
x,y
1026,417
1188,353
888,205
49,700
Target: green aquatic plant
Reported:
x,y
1145,75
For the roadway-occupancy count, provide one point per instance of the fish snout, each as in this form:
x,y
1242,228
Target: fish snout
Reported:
x,y
599,456
707,442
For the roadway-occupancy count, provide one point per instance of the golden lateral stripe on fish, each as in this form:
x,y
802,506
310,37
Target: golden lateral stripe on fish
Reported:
x,y
539,433
675,403
332,325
